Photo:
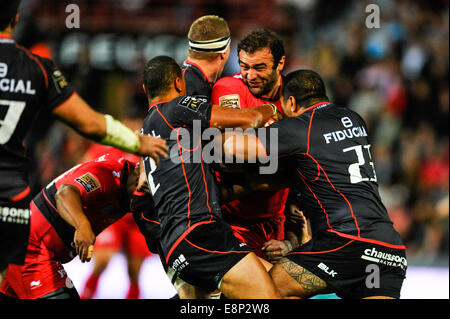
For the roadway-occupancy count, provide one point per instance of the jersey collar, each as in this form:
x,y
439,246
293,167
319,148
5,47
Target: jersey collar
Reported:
x,y
316,105
198,67
6,38
152,105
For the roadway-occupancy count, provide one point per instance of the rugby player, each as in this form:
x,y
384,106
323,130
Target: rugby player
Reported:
x,y
66,217
197,245
334,173
258,217
30,84
122,236
208,52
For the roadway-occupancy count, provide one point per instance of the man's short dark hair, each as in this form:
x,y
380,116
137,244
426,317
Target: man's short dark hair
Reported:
x,y
159,74
305,86
263,38
8,11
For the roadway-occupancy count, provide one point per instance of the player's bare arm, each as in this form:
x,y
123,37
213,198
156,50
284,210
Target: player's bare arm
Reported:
x,y
225,117
297,233
69,206
77,114
242,146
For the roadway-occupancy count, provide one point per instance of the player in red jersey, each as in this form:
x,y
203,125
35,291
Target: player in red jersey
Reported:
x,y
259,217
66,217
123,235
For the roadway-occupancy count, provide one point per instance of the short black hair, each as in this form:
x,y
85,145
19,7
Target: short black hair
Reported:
x,y
8,10
305,86
263,38
159,74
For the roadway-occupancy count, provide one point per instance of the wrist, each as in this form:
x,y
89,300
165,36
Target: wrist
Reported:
x,y
288,244
120,136
274,109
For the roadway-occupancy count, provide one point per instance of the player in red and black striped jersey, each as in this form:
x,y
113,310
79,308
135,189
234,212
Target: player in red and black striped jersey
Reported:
x,y
208,52
30,84
333,171
197,245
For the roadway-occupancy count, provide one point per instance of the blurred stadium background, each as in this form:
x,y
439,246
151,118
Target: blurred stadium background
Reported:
x,y
395,76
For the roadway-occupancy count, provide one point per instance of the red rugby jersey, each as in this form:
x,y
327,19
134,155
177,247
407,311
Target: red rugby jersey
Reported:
x,y
104,197
231,91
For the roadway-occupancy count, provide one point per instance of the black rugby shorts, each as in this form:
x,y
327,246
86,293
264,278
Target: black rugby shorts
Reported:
x,y
206,254
352,268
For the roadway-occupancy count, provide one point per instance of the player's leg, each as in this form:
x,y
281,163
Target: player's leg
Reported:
x,y
107,243
294,281
14,231
134,268
102,256
136,251
248,279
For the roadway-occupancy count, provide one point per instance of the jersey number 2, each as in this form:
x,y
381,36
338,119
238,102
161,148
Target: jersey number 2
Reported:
x,y
152,168
9,122
355,168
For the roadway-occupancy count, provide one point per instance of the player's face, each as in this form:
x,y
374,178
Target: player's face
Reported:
x,y
133,179
258,72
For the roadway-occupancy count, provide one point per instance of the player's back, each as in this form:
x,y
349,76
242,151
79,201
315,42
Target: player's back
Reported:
x,y
101,184
28,84
182,186
336,175
197,83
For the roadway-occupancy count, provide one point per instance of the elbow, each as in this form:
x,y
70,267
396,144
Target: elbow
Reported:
x,y
254,120
64,191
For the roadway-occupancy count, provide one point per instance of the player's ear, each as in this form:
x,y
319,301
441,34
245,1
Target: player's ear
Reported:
x,y
280,66
292,105
179,85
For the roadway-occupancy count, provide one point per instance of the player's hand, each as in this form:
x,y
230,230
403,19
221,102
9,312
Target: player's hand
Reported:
x,y
297,217
275,249
154,147
142,185
84,240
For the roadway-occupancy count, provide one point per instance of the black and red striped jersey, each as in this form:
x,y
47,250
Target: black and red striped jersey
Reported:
x,y
29,84
197,83
333,171
183,187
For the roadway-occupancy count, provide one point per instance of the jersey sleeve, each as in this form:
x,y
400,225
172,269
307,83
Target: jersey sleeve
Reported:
x,y
190,108
87,179
224,93
58,89
284,137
